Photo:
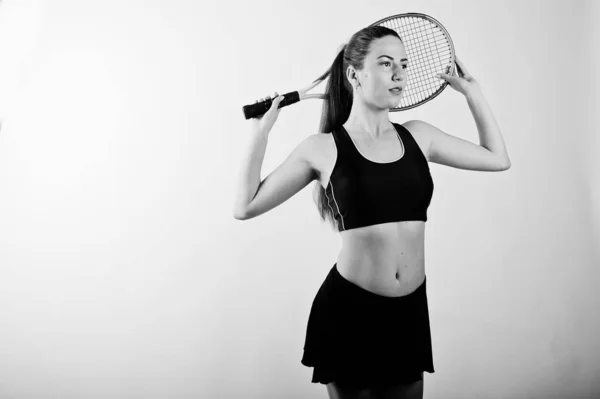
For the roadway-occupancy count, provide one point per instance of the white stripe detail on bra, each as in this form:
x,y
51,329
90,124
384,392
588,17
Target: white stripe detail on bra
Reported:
x,y
336,204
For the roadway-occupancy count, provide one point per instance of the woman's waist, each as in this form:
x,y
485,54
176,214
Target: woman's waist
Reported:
x,y
395,272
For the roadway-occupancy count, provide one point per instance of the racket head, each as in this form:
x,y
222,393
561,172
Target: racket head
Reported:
x,y
430,51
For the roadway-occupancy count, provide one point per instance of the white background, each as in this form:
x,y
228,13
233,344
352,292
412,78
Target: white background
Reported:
x,y
123,273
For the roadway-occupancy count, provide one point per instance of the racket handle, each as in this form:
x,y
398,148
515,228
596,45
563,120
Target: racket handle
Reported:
x,y
260,108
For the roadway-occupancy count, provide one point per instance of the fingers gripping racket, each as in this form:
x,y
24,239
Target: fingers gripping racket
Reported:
x,y
429,49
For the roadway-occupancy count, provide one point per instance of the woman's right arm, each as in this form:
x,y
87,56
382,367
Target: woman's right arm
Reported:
x,y
254,197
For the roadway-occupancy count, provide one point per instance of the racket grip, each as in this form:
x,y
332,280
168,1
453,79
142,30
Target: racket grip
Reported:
x,y
257,109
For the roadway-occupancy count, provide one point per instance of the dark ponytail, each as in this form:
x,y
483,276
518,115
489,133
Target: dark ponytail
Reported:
x,y
339,95
338,100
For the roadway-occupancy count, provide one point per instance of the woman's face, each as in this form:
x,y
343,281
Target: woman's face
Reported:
x,y
384,68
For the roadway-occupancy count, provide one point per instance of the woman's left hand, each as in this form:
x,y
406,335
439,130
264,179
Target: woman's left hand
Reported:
x,y
463,82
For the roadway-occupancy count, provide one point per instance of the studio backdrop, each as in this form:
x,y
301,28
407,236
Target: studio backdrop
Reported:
x,y
123,273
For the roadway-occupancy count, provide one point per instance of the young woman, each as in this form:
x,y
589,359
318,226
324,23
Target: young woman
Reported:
x,y
368,332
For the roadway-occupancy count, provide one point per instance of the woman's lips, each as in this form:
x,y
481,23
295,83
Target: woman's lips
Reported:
x,y
396,91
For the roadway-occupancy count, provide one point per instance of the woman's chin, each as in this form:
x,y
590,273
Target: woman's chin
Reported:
x,y
395,102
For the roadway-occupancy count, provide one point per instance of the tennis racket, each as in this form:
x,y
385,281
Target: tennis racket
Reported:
x,y
429,50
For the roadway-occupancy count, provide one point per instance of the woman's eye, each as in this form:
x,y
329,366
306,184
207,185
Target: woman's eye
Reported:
x,y
387,63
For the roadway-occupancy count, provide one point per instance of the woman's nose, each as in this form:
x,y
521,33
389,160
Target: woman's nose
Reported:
x,y
400,75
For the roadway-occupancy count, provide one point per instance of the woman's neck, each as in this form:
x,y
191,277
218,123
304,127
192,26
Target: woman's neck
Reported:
x,y
368,122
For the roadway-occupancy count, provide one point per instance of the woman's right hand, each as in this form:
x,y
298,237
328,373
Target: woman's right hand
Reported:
x,y
265,122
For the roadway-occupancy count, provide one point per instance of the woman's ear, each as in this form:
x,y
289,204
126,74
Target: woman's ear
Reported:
x,y
352,76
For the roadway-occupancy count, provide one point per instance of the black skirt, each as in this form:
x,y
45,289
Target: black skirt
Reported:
x,y
361,339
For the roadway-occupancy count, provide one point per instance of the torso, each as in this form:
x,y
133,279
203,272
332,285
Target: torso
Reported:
x,y
387,259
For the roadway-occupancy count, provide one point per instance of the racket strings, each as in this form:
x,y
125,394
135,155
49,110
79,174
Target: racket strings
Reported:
x,y
428,52
424,42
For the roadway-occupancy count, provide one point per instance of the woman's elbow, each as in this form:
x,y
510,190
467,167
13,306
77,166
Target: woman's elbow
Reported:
x,y
239,215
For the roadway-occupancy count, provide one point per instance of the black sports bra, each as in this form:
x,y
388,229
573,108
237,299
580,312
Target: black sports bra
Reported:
x,y
364,193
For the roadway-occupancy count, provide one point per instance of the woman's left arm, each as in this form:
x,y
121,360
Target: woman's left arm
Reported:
x,y
490,155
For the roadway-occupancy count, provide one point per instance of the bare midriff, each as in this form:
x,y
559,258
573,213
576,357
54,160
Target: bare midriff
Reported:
x,y
387,259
